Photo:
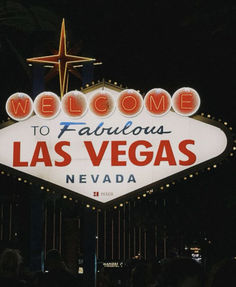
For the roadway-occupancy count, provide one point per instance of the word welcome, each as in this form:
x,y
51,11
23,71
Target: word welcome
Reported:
x,y
74,104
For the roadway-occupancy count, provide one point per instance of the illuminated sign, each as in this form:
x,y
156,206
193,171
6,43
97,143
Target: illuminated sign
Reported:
x,y
106,143
157,102
113,264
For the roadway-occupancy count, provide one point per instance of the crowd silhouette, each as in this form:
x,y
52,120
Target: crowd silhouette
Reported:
x,y
173,272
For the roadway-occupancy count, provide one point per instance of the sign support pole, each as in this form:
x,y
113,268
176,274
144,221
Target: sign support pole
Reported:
x,y
89,237
36,198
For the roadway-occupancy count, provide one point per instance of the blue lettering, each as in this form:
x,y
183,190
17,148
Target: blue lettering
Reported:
x,y
94,179
66,127
119,178
82,178
106,179
131,178
70,178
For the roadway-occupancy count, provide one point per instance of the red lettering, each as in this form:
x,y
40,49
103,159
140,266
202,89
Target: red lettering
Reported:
x,y
158,102
115,152
191,156
41,147
130,102
74,104
19,106
66,157
102,104
186,101
16,155
47,105
165,145
147,154
19,109
96,159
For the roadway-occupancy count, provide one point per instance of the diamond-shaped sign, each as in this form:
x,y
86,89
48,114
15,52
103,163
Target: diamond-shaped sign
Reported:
x,y
105,158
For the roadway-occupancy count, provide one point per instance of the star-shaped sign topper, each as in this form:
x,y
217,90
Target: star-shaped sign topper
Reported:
x,y
62,60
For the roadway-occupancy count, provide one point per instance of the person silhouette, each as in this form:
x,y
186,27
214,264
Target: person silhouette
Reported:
x,y
223,274
10,262
56,272
181,272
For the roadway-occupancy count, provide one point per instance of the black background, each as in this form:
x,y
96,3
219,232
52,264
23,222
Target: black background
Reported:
x,y
143,45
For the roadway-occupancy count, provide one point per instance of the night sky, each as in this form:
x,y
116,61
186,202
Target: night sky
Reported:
x,y
143,45
166,44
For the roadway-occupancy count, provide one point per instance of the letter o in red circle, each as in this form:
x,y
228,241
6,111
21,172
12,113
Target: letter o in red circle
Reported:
x,y
130,103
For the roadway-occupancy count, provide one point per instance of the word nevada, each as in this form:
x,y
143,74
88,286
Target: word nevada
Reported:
x,y
74,104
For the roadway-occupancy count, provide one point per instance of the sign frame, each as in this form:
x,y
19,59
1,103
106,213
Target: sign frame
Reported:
x,y
61,191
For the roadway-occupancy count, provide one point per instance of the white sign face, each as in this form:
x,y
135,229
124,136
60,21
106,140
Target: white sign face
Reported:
x,y
106,157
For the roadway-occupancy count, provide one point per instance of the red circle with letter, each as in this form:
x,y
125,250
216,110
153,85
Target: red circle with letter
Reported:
x,y
74,104
186,101
19,106
130,102
157,102
102,104
47,105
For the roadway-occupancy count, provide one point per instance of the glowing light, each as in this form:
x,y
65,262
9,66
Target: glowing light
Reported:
x,y
62,61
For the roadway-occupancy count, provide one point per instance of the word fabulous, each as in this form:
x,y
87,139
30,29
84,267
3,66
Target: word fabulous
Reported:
x,y
74,104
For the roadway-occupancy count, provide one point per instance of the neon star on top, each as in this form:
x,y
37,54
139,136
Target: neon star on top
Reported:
x,y
62,60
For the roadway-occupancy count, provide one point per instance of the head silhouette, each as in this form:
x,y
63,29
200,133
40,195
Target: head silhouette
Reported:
x,y
10,262
54,261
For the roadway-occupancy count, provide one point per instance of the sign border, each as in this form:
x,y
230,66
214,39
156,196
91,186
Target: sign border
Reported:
x,y
43,184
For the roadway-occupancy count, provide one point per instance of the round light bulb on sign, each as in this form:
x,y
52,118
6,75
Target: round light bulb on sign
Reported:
x,y
19,106
47,105
102,104
186,101
130,103
74,104
157,102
